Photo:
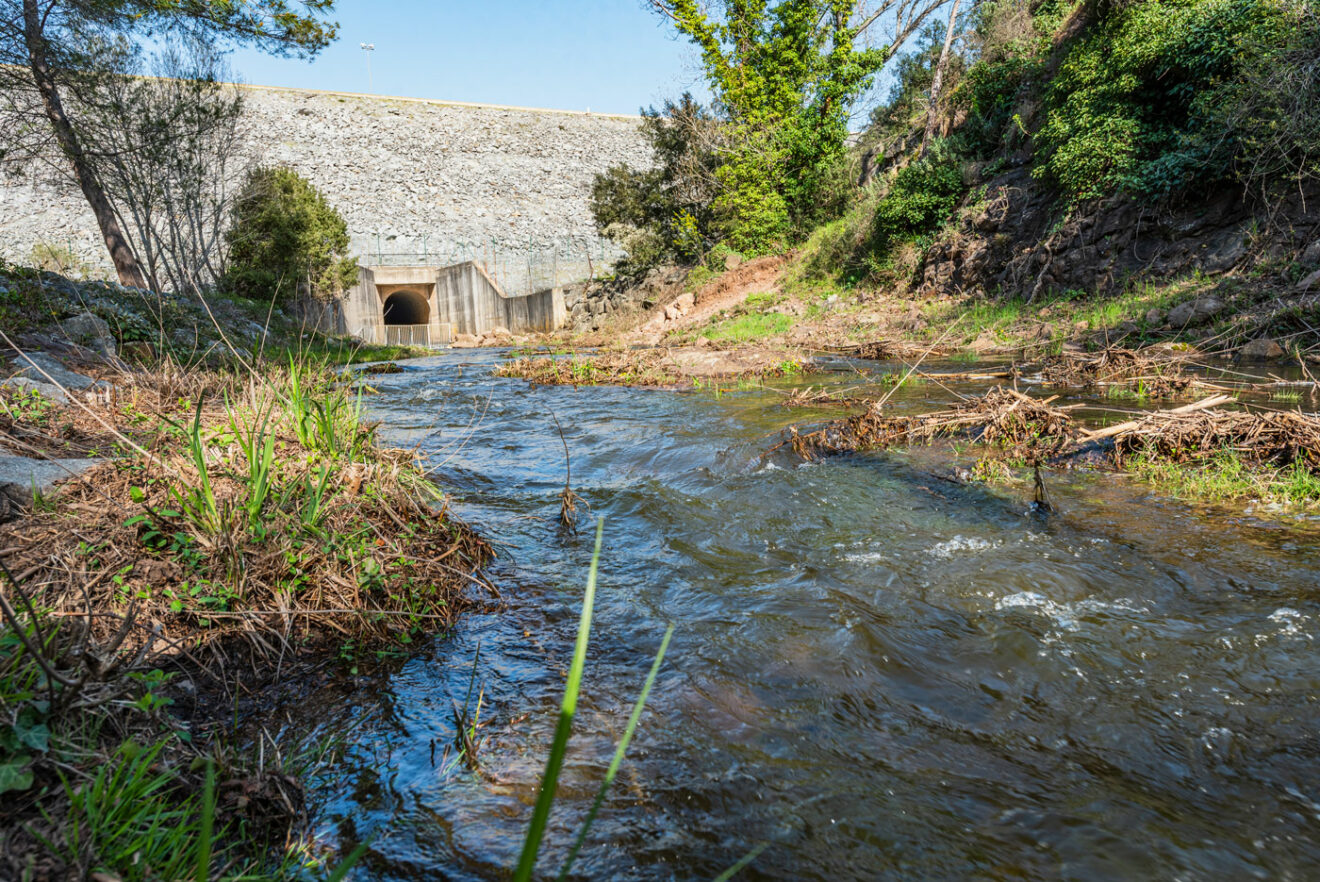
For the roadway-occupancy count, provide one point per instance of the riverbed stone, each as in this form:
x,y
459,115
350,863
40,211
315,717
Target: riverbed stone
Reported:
x,y
20,475
1194,312
40,367
27,384
1263,349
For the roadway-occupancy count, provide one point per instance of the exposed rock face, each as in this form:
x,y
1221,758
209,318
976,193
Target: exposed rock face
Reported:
x,y
1018,241
589,305
407,176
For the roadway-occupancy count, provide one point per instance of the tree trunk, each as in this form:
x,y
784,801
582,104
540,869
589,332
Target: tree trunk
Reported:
x,y
938,81
126,264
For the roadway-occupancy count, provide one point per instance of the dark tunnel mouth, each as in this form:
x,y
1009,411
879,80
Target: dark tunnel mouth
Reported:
x,y
407,308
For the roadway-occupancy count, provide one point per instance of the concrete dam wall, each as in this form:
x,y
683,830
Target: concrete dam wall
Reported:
x,y
418,181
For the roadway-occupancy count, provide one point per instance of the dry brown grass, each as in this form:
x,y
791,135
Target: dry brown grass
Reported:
x,y
347,542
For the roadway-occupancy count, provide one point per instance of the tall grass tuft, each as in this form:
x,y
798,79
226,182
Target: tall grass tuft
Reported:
x,y
559,746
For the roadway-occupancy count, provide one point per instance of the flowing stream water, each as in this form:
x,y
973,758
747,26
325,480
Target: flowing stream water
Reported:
x,y
877,672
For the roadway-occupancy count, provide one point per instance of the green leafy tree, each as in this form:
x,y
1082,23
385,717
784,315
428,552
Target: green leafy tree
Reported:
x,y
786,75
286,240
47,47
664,212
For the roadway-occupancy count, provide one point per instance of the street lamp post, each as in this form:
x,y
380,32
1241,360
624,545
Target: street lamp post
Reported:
x,y
368,48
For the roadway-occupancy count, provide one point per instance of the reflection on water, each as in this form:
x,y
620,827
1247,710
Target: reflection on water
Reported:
x,y
881,673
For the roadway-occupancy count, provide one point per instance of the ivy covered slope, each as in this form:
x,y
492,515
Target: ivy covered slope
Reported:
x,y
1102,150
1116,157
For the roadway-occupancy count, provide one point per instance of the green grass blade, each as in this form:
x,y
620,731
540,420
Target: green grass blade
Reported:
x,y
555,762
208,822
742,863
618,753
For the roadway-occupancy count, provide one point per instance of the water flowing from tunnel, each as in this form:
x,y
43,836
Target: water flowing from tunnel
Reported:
x,y
878,672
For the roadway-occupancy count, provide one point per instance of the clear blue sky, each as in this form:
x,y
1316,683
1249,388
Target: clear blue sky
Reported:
x,y
611,56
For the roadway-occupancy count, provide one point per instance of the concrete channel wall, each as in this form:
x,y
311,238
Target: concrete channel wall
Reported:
x,y
458,299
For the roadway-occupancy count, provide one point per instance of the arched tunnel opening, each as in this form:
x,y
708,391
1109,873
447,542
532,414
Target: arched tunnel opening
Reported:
x,y
407,308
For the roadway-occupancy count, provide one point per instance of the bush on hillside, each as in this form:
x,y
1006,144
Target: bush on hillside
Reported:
x,y
921,197
286,240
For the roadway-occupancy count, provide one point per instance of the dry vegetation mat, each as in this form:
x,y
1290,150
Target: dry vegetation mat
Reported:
x,y
260,507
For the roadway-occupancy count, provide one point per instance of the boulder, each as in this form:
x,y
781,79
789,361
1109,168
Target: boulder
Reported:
x,y
1155,318
1311,254
1262,349
500,332
685,302
91,331
464,341
1310,282
672,314
732,261
45,369
1195,312
1224,253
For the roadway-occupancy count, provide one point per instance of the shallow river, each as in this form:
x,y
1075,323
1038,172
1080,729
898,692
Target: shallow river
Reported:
x,y
879,673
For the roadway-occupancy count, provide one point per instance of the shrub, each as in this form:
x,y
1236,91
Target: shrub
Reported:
x,y
1270,115
921,197
286,240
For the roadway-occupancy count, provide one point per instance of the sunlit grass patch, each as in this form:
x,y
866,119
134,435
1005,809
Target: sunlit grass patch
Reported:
x,y
1226,477
749,328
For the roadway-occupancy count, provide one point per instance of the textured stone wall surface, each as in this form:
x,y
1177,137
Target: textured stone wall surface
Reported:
x,y
507,185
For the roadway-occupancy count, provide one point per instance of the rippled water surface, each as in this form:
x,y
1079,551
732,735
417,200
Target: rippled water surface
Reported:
x,y
879,672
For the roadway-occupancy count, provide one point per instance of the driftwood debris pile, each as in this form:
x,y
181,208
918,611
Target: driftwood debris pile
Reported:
x,y
1258,439
1002,416
886,350
1155,374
